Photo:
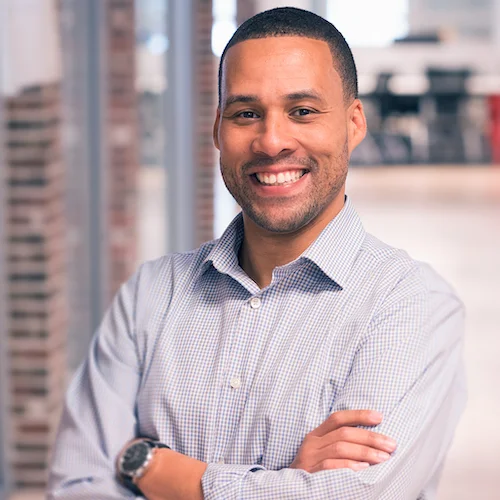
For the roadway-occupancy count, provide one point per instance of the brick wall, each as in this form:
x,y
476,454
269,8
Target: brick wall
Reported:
x,y
204,110
37,240
36,244
122,139
36,267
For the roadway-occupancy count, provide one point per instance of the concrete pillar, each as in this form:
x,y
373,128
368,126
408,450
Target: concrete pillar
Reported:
x,y
101,144
191,103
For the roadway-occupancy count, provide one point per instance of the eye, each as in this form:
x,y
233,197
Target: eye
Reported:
x,y
302,112
247,114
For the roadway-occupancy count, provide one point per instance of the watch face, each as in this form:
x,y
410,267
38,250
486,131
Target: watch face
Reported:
x,y
135,456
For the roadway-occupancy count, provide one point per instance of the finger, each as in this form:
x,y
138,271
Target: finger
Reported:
x,y
348,418
358,436
339,464
342,450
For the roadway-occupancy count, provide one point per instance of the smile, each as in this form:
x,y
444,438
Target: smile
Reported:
x,y
281,179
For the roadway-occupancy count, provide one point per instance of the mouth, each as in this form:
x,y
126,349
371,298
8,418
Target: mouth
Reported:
x,y
281,179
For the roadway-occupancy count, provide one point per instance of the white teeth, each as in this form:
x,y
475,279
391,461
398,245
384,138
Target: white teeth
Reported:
x,y
280,179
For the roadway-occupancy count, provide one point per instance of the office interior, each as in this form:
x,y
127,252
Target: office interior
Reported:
x,y
106,161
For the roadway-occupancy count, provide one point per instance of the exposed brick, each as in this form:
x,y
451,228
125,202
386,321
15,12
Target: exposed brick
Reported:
x,y
36,268
206,104
123,151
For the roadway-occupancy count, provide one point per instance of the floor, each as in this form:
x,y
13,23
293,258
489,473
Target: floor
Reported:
x,y
449,217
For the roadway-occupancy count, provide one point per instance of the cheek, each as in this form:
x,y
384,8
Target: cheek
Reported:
x,y
234,148
233,137
325,139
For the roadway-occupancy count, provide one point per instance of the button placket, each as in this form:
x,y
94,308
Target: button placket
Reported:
x,y
232,397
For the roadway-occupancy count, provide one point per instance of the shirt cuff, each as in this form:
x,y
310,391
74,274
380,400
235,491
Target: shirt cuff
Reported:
x,y
225,480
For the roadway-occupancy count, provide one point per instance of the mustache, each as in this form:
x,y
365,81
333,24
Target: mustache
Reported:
x,y
306,162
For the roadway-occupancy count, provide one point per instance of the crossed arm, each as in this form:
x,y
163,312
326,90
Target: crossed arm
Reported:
x,y
420,367
332,461
336,444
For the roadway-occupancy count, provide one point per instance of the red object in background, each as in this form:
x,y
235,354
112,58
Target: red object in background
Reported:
x,y
494,107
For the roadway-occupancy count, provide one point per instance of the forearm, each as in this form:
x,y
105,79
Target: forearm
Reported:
x,y
238,482
174,476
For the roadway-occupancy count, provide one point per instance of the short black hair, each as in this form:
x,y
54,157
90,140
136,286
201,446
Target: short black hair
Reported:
x,y
290,21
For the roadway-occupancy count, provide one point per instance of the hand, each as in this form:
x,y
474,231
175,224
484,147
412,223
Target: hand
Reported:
x,y
338,444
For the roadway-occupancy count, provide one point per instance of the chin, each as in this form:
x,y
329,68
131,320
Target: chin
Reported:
x,y
280,225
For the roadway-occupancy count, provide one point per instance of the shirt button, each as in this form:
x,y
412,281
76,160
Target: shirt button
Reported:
x,y
255,302
221,461
235,383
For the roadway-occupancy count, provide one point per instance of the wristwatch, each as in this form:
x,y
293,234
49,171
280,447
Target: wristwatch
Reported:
x,y
134,460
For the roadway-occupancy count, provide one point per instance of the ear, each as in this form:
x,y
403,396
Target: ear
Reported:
x,y
356,125
216,129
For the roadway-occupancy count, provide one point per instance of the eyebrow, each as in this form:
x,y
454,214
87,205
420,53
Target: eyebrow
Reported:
x,y
304,94
294,96
232,99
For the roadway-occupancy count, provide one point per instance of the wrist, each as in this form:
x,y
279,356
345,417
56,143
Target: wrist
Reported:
x,y
153,482
136,459
172,476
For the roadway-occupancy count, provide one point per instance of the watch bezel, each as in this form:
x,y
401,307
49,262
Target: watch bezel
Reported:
x,y
138,472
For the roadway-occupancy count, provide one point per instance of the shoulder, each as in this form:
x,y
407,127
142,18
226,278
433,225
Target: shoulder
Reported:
x,y
174,266
158,281
397,276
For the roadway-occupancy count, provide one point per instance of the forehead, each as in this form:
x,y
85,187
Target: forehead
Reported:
x,y
279,64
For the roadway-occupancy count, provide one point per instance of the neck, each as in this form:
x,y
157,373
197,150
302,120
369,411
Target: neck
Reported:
x,y
261,250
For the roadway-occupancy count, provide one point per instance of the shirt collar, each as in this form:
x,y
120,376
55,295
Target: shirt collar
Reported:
x,y
224,254
334,251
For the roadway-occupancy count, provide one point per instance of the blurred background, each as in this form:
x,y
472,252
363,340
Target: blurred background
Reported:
x,y
106,160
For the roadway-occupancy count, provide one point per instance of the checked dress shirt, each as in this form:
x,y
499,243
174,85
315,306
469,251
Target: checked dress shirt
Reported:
x,y
193,353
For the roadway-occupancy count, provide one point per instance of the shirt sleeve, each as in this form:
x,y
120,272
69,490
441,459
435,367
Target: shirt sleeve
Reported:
x,y
409,367
99,411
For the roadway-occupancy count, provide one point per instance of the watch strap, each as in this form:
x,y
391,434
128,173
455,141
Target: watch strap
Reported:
x,y
130,485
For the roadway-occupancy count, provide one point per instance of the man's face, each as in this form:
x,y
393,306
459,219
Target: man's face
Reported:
x,y
284,131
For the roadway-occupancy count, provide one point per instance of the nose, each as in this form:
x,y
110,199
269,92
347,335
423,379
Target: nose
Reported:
x,y
274,137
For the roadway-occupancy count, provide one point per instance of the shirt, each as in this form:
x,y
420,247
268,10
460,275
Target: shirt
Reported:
x,y
194,354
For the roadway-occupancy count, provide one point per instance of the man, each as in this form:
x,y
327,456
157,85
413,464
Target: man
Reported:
x,y
297,357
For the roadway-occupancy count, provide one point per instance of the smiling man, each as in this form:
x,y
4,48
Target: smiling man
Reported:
x,y
297,357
